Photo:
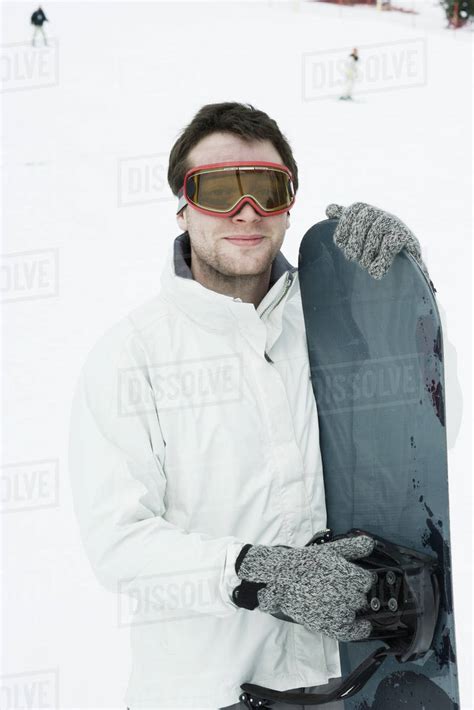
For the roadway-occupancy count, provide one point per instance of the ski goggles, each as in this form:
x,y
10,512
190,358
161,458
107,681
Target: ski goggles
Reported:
x,y
221,189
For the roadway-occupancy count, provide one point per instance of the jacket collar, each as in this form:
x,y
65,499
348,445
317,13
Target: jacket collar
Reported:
x,y
216,311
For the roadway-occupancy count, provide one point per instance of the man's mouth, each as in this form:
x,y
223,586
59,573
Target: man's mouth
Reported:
x,y
246,240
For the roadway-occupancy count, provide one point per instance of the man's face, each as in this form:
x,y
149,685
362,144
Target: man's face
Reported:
x,y
209,235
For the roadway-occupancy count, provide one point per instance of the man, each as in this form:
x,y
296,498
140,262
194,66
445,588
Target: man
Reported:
x,y
350,74
38,18
194,451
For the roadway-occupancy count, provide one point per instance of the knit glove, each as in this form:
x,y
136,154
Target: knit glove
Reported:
x,y
372,237
316,585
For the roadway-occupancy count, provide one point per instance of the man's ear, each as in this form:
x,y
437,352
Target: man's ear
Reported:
x,y
182,220
287,220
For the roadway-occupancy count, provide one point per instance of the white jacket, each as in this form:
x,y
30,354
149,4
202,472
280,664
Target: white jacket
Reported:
x,y
186,442
351,69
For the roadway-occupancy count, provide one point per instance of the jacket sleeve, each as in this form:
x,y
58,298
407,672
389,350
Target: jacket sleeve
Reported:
x,y
117,473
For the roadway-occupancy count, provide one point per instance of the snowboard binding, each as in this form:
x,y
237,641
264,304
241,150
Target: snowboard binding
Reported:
x,y
403,610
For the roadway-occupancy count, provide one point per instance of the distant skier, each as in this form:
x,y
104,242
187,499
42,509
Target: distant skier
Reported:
x,y
351,74
38,18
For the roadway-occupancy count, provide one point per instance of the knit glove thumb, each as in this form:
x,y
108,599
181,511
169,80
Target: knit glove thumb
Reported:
x,y
317,586
372,237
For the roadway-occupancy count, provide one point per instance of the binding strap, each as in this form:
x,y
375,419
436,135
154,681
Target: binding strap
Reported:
x,y
258,697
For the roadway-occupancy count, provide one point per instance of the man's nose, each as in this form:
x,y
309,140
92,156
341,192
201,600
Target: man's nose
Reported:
x,y
246,214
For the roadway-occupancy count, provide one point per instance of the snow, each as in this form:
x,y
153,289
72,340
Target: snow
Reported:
x,y
88,219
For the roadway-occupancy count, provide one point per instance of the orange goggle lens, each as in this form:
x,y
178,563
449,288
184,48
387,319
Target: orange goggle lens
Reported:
x,y
220,190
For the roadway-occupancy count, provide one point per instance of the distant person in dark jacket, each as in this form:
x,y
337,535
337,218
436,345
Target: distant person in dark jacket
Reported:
x,y
38,18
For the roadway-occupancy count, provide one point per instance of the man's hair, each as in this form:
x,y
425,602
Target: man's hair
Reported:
x,y
243,120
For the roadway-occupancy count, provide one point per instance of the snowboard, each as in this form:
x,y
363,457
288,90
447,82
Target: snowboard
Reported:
x,y
376,361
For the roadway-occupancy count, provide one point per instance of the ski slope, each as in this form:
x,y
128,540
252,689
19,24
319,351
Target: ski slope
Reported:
x,y
88,218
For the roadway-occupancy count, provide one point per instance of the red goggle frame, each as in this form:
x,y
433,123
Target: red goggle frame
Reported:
x,y
221,189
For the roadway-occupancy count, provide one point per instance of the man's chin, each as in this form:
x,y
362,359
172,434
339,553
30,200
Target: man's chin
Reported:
x,y
246,273
247,260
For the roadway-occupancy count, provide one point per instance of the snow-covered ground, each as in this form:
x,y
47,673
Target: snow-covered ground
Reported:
x,y
88,218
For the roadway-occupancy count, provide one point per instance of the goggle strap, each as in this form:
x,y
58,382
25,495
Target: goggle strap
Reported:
x,y
182,201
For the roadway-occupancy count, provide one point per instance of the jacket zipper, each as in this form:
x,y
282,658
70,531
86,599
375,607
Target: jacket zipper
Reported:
x,y
274,304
